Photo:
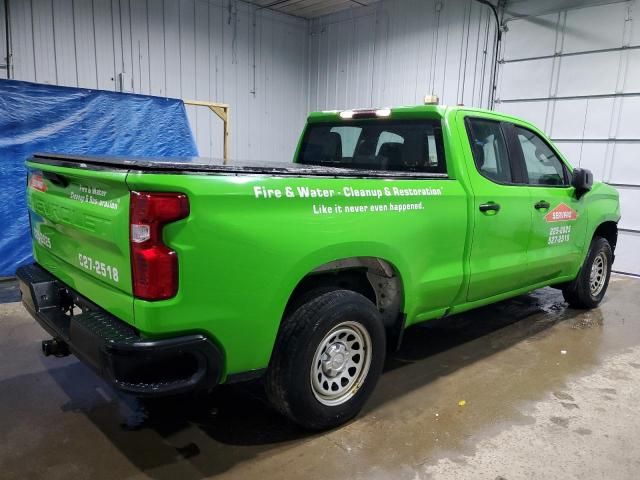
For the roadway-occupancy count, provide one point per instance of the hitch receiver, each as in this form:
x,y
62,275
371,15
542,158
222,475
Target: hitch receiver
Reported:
x,y
55,347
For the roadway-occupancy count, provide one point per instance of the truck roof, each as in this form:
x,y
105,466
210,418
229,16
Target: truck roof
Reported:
x,y
403,112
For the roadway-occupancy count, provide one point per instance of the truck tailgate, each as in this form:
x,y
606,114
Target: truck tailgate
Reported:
x,y
80,227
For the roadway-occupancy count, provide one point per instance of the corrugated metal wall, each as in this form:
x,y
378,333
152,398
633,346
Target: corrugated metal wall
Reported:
x,y
190,49
397,51
3,41
576,73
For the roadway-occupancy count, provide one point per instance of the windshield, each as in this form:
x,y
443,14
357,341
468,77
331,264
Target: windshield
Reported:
x,y
393,145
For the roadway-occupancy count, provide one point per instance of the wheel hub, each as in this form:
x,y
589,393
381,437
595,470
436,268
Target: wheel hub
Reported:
x,y
334,359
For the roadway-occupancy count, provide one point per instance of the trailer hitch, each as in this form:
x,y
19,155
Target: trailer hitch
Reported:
x,y
55,347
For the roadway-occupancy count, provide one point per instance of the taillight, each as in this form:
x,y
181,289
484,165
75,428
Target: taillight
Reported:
x,y
154,265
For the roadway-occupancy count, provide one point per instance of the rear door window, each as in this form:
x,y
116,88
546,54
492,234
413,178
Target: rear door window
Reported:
x,y
489,147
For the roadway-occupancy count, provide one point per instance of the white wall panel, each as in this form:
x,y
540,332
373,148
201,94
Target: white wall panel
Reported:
x,y
105,53
534,112
594,28
23,55
632,71
629,201
517,40
533,81
598,122
44,53
190,49
593,74
629,122
63,41
572,151
568,119
593,155
627,259
140,46
396,52
85,46
626,164
157,47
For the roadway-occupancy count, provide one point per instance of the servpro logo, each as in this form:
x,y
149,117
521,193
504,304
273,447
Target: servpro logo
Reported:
x,y
37,183
561,213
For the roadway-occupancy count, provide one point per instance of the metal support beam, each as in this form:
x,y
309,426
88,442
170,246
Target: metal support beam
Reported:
x,y
568,97
7,31
222,111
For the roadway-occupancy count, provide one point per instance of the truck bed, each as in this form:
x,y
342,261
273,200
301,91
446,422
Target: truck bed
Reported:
x,y
217,166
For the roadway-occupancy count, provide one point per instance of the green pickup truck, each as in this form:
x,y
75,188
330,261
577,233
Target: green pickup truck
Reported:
x,y
169,276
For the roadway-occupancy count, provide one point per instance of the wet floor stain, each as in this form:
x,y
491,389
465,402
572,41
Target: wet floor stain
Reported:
x,y
560,421
563,396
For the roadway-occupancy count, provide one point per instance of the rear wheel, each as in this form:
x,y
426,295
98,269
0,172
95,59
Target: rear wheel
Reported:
x,y
589,287
327,359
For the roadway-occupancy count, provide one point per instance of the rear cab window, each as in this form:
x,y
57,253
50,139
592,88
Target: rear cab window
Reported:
x,y
387,145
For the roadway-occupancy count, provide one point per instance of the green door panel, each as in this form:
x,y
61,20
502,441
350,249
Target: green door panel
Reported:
x,y
558,234
500,236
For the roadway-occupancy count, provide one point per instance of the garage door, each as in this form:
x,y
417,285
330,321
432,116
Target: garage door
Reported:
x,y
576,73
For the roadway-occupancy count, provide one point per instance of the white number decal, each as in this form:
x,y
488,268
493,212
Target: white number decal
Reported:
x,y
559,235
98,267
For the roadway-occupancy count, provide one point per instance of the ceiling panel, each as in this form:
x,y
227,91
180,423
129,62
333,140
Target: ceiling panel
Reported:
x,y
310,8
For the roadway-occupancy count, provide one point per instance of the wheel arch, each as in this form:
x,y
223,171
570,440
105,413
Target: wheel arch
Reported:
x,y
609,231
376,278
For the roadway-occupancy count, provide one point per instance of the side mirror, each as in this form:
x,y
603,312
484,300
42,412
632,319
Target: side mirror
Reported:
x,y
581,180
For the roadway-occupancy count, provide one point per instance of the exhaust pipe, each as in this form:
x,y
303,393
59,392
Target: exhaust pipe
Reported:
x,y
55,347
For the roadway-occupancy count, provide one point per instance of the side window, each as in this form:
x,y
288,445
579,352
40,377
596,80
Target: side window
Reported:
x,y
542,165
489,149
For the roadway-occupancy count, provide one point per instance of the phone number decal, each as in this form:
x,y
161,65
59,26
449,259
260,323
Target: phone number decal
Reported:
x,y
100,268
559,235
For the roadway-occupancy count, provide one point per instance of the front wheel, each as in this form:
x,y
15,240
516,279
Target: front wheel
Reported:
x,y
589,287
327,359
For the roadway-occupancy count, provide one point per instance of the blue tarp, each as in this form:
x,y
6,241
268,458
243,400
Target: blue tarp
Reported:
x,y
45,118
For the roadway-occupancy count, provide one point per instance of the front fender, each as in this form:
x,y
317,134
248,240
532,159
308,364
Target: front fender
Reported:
x,y
602,204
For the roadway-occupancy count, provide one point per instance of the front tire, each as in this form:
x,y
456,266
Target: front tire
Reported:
x,y
590,286
327,360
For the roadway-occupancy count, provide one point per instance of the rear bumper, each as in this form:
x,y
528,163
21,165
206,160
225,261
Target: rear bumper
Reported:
x,y
113,348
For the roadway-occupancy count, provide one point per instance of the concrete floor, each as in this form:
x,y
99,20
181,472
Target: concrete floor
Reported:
x,y
550,393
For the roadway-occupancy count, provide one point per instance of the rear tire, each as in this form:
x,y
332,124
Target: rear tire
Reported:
x,y
327,360
590,286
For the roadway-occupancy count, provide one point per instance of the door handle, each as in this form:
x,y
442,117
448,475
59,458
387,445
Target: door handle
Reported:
x,y
490,207
542,205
